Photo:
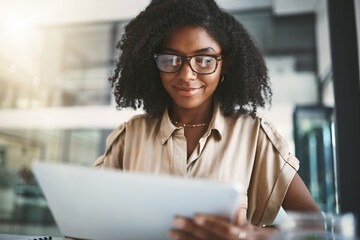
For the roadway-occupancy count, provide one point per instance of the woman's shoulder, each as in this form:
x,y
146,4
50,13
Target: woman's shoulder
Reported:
x,y
134,121
259,121
132,124
141,122
244,120
261,127
139,117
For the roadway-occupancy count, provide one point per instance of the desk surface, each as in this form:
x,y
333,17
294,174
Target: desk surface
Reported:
x,y
21,237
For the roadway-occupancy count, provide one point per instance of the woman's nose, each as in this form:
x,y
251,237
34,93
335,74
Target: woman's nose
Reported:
x,y
186,73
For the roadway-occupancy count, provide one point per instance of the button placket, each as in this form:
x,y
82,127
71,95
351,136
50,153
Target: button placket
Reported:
x,y
179,152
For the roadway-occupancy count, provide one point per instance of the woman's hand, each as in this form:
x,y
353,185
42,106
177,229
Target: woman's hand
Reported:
x,y
216,228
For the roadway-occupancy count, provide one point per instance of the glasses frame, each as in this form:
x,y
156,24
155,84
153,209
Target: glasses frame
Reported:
x,y
188,59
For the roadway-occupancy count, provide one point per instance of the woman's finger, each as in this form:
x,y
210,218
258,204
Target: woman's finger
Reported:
x,y
190,228
241,215
176,234
219,227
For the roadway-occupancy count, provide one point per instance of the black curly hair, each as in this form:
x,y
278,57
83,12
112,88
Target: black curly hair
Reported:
x,y
136,80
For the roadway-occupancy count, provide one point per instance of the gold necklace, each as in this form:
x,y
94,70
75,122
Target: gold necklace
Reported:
x,y
189,125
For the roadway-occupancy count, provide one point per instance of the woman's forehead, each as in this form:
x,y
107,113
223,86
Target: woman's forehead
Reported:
x,y
190,39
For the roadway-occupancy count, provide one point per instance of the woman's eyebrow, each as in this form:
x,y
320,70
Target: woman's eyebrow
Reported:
x,y
205,50
170,50
197,51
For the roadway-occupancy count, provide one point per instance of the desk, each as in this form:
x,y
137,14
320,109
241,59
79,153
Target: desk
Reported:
x,y
25,237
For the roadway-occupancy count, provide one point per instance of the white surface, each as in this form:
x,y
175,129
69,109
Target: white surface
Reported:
x,y
322,39
43,12
289,86
280,217
109,204
66,117
289,7
243,5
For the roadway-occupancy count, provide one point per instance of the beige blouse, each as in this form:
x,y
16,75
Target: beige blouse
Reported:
x,y
241,150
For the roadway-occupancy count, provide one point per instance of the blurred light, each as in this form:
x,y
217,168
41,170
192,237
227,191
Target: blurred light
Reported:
x,y
12,68
23,103
305,125
348,225
17,26
36,81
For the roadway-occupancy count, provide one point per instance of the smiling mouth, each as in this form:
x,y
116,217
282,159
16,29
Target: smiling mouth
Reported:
x,y
187,92
187,89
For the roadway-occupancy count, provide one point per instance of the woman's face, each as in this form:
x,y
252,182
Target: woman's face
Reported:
x,y
188,89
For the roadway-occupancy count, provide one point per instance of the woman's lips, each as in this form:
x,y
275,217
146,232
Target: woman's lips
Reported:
x,y
186,92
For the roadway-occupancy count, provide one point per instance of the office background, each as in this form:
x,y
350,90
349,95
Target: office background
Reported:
x,y
56,103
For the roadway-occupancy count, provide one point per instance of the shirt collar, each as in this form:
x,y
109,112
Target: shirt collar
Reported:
x,y
217,124
166,127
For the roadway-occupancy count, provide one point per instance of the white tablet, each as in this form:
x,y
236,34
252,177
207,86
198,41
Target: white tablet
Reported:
x,y
109,204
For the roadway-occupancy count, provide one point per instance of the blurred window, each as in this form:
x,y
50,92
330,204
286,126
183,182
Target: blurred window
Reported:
x,y
22,202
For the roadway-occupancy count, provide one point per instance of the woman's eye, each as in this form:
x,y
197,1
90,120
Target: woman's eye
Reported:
x,y
204,61
172,61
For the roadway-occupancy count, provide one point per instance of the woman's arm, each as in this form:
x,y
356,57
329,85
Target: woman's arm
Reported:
x,y
298,197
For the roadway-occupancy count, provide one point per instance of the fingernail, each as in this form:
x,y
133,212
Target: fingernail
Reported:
x,y
242,235
179,223
199,220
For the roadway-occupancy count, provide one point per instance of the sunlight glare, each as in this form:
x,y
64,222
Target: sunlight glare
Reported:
x,y
17,26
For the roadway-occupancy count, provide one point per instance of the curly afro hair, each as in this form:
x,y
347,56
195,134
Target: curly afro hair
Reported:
x,y
136,81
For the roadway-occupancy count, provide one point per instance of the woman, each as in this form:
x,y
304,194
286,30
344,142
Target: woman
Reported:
x,y
200,78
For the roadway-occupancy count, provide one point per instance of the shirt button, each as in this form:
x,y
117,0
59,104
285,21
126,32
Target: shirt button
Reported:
x,y
266,123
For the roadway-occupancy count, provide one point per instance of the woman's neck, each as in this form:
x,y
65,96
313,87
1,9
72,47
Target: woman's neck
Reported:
x,y
198,115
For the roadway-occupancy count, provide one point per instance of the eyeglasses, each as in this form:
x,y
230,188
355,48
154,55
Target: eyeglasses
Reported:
x,y
201,64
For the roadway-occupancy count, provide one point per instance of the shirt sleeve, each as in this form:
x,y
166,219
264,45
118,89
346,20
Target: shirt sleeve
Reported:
x,y
114,151
273,171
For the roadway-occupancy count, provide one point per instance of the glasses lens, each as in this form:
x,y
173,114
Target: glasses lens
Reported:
x,y
168,63
203,64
